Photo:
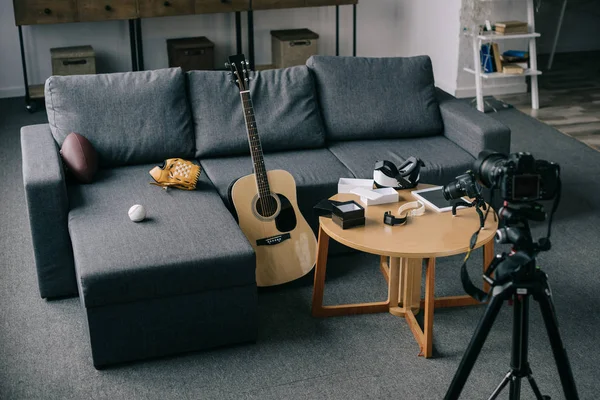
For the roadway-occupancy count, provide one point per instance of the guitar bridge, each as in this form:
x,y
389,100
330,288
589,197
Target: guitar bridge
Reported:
x,y
270,241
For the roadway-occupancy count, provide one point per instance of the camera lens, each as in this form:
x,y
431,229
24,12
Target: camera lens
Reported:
x,y
501,236
453,190
486,167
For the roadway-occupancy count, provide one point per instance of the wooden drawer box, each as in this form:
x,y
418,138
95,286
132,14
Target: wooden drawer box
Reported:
x,y
271,4
102,10
293,47
191,53
79,60
318,3
32,12
165,8
216,6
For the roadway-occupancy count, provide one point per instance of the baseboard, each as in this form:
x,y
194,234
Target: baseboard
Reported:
x,y
18,91
513,88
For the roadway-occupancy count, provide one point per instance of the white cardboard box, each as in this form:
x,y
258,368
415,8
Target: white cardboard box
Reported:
x,y
345,185
376,196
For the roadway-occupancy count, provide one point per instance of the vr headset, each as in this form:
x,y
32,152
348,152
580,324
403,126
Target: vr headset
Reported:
x,y
405,176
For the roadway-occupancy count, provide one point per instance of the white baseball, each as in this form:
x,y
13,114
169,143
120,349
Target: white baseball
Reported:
x,y
137,213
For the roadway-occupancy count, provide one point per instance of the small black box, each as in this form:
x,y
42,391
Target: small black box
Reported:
x,y
349,210
347,223
324,208
348,214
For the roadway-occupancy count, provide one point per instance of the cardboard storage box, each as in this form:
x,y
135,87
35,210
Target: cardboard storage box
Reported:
x,y
79,60
293,47
195,53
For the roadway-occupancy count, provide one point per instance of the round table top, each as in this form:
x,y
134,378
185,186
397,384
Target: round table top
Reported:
x,y
433,234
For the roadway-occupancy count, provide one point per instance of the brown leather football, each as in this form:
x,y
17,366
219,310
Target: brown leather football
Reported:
x,y
79,157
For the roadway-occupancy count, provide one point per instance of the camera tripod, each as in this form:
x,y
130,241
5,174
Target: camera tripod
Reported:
x,y
516,279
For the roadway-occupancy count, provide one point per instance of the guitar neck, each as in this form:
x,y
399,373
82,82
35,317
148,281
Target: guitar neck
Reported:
x,y
256,152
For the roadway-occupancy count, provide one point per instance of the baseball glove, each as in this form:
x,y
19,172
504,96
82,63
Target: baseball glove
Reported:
x,y
176,173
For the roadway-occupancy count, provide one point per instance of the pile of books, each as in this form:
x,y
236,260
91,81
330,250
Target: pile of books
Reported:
x,y
511,27
513,62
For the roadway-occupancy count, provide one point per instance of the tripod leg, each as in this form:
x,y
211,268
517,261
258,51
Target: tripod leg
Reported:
x,y
515,388
477,341
534,387
502,385
544,297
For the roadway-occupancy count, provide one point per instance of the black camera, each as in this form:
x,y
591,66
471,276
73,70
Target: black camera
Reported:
x,y
519,177
464,185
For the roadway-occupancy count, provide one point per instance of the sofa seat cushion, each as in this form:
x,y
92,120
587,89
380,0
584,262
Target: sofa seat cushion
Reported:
x,y
189,242
376,98
443,159
316,173
285,110
130,118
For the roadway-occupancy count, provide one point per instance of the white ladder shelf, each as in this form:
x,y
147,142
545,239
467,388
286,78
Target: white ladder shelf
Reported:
x,y
532,71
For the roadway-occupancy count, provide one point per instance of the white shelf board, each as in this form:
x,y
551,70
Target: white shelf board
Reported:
x,y
492,75
493,36
488,37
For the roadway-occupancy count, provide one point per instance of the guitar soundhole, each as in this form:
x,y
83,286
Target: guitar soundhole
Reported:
x,y
266,206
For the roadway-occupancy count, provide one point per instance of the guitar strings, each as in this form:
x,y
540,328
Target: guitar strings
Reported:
x,y
267,201
259,171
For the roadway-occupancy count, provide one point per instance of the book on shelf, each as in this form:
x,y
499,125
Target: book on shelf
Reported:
x,y
497,57
487,62
511,27
513,69
513,56
510,24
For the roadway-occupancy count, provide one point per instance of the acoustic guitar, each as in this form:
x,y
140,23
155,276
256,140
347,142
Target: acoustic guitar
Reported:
x,y
267,208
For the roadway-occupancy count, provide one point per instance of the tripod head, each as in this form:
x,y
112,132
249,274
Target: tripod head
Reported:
x,y
516,230
519,265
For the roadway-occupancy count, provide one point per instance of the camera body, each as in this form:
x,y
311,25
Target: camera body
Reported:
x,y
518,176
463,185
521,178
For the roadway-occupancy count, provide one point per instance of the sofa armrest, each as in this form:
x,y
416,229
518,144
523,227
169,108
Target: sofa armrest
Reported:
x,y
47,208
471,129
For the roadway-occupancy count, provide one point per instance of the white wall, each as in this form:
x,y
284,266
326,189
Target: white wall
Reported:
x,y
431,27
378,36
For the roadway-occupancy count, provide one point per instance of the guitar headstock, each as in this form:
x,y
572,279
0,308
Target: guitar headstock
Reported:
x,y
239,70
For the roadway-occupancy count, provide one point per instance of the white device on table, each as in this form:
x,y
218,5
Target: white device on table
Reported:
x,y
434,199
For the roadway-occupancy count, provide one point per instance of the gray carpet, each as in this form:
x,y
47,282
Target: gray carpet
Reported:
x,y
44,353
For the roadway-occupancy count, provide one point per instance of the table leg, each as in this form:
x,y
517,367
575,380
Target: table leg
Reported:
x,y
318,309
393,282
427,349
320,269
384,266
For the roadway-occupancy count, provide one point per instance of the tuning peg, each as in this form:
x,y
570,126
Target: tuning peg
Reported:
x,y
247,62
227,65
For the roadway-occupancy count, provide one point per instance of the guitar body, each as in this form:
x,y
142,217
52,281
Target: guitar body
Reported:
x,y
284,243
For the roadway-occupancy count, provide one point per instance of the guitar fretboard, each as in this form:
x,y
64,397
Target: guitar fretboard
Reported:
x,y
255,147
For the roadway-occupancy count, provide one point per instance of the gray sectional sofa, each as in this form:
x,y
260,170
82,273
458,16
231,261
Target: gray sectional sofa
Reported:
x,y
184,279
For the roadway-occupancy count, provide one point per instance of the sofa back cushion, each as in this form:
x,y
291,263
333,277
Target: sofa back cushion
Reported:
x,y
285,110
376,98
129,118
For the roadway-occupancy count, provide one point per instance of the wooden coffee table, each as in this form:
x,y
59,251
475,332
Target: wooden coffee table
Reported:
x,y
402,249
